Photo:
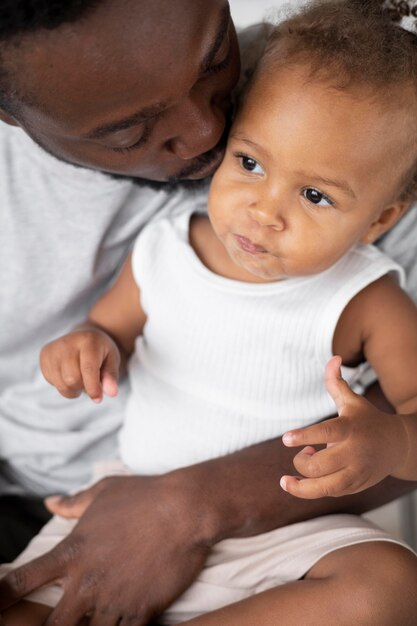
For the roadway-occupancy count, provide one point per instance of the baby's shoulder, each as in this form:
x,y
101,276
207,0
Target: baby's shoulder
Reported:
x,y
372,312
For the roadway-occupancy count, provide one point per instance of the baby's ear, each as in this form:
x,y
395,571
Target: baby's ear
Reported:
x,y
387,219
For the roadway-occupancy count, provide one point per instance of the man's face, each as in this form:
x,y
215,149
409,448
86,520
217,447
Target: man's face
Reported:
x,y
137,88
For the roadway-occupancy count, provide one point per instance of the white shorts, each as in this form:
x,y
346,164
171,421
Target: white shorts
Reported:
x,y
236,568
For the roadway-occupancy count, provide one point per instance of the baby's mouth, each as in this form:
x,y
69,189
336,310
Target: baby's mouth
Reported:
x,y
249,246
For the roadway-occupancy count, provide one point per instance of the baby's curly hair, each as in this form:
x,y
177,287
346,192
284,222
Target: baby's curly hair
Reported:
x,y
352,44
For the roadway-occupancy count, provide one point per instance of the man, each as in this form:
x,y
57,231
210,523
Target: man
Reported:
x,y
138,90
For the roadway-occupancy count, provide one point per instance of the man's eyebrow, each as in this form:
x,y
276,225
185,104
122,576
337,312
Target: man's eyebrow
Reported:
x,y
135,119
148,112
218,40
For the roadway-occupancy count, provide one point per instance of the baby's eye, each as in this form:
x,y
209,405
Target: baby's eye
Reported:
x,y
317,197
250,165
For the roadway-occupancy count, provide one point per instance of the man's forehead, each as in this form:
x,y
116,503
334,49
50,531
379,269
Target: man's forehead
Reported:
x,y
121,46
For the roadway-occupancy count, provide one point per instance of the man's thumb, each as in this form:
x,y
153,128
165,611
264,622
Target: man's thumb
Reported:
x,y
71,507
335,385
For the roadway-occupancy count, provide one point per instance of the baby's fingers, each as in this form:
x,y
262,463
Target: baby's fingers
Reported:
x,y
110,373
340,483
68,379
312,464
109,384
330,431
90,366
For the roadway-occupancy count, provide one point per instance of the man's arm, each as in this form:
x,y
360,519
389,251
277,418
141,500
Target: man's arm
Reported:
x,y
143,540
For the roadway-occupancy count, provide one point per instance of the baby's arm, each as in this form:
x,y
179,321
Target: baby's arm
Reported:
x,y
364,444
94,354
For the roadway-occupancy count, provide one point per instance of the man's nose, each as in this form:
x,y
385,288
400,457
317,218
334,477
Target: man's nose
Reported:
x,y
198,126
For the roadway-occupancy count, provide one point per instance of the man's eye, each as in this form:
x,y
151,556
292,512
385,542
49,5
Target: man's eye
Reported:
x,y
249,164
222,58
314,196
136,144
218,67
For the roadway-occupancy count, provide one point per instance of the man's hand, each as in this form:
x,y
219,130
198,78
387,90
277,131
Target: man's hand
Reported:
x,y
142,541
84,360
138,546
363,445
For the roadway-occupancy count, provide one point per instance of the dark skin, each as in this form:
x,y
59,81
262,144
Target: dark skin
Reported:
x,y
105,70
101,93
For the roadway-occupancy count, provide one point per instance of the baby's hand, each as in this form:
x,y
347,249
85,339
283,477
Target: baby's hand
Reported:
x,y
363,445
84,360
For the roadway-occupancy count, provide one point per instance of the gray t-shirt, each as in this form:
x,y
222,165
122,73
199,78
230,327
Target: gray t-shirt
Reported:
x,y
64,234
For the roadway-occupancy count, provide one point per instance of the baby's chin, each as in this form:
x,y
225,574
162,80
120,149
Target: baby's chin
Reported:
x,y
259,274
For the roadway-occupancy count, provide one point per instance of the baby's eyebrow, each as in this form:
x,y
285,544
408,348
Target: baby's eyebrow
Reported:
x,y
343,185
252,144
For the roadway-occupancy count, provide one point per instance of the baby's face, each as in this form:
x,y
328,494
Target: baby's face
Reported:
x,y
307,172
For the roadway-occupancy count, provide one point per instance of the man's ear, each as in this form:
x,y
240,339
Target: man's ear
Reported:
x,y
388,217
7,118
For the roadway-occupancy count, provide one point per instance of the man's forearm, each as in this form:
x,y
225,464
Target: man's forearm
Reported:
x,y
239,495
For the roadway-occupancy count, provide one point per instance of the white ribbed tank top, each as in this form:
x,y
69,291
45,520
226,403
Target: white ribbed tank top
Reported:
x,y
224,364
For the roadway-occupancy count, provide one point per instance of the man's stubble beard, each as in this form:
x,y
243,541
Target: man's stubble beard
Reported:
x,y
171,185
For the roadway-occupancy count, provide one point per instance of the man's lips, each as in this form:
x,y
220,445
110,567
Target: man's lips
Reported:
x,y
204,165
249,246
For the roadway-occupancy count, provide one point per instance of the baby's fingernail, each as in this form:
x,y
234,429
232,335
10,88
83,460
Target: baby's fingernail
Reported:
x,y
96,400
288,438
283,483
53,500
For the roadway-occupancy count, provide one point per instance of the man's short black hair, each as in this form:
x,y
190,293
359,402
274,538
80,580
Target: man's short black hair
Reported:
x,y
20,18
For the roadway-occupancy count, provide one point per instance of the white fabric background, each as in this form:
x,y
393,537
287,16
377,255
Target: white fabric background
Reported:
x,y
246,12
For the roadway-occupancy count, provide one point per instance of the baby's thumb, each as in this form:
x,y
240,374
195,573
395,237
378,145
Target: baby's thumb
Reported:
x,y
338,388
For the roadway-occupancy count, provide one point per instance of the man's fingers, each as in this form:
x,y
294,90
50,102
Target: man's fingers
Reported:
x,y
20,582
329,431
127,620
73,507
101,618
69,611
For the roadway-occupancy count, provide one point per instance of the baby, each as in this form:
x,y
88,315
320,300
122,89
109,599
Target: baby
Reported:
x,y
230,318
